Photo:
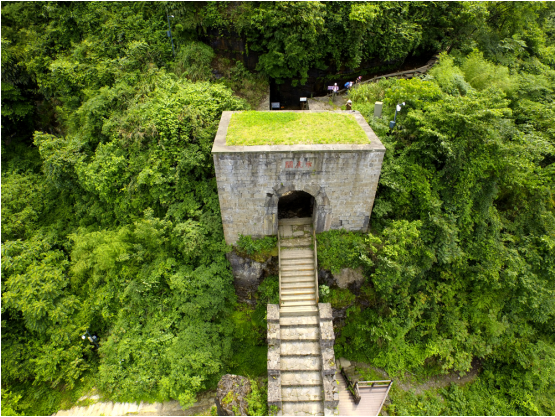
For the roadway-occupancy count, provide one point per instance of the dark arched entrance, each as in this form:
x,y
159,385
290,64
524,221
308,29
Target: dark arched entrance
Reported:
x,y
294,204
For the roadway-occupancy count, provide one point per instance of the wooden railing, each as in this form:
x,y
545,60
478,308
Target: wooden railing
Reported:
x,y
405,74
352,387
385,383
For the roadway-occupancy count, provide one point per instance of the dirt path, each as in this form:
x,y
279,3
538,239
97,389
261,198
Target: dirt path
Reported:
x,y
95,407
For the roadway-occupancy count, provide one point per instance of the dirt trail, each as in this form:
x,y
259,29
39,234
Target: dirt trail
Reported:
x,y
442,381
169,408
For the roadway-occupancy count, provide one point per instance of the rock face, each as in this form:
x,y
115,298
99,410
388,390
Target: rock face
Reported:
x,y
231,394
346,278
349,278
248,274
325,277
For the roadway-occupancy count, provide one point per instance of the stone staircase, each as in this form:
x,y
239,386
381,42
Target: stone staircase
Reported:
x,y
295,358
298,282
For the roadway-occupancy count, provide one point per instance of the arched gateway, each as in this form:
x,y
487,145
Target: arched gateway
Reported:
x,y
340,178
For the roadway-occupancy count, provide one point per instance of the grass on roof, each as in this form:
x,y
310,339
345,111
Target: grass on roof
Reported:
x,y
251,128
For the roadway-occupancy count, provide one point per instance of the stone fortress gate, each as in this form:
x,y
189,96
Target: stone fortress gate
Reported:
x,y
295,191
335,184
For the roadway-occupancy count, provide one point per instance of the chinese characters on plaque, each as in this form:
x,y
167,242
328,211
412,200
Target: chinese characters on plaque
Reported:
x,y
296,164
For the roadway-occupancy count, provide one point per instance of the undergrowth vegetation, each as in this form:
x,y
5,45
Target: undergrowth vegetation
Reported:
x,y
111,221
257,249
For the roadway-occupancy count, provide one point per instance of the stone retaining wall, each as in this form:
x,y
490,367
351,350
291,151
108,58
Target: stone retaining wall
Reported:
x,y
329,366
274,353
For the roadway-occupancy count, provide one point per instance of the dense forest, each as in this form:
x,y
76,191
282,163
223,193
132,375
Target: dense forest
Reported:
x,y
111,221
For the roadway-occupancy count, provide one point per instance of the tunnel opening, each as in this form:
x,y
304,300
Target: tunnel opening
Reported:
x,y
295,204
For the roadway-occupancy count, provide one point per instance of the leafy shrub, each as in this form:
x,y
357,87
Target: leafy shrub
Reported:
x,y
339,297
339,249
324,291
257,399
249,348
449,76
194,61
257,249
482,74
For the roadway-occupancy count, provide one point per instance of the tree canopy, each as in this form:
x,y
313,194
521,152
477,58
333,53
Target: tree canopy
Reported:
x,y
110,213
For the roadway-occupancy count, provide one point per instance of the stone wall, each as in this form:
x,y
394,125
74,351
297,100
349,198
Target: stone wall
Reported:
x,y
329,366
274,357
342,179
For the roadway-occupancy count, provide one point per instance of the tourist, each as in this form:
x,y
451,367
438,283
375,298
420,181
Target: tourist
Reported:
x,y
348,105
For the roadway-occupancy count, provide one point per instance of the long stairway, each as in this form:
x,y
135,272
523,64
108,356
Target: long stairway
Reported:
x,y
301,364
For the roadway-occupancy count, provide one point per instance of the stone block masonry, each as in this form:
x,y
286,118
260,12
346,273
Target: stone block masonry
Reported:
x,y
342,178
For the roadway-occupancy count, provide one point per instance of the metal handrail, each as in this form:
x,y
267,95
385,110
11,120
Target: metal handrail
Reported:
x,y
315,266
279,265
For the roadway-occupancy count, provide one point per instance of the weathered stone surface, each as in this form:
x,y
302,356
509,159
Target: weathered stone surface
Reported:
x,y
327,336
302,393
274,360
247,276
299,320
325,277
301,378
349,278
230,395
309,408
274,390
272,313
300,333
345,363
325,311
274,334
299,348
342,179
331,394
301,363
328,362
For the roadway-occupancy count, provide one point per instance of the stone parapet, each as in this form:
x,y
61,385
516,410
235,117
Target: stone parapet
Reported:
x,y
329,365
272,315
274,391
274,357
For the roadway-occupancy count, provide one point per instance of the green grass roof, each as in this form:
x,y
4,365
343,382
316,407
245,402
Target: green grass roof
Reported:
x,y
251,128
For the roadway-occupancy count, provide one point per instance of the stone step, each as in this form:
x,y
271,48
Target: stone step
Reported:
x,y
286,311
297,285
299,333
304,267
301,261
299,297
301,241
311,408
290,347
301,378
300,363
297,291
294,279
296,254
296,273
301,394
297,303
295,221
299,321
